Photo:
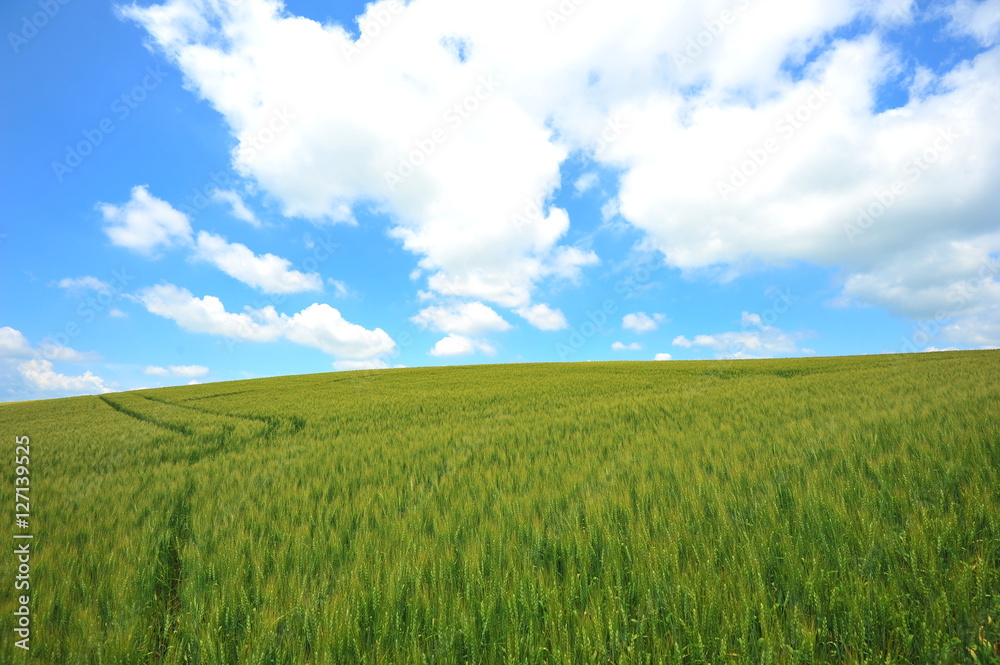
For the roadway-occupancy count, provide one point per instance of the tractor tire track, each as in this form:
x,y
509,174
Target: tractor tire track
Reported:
x,y
166,608
293,424
181,429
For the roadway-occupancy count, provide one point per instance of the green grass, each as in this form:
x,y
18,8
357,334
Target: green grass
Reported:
x,y
842,510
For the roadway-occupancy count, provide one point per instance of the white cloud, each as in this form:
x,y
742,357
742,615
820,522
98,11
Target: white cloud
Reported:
x,y
13,344
117,313
209,315
641,322
894,12
86,283
340,287
237,207
145,224
185,371
322,327
586,182
755,340
54,351
459,345
663,356
269,273
409,93
610,210
18,372
318,326
471,318
634,346
40,375
980,329
980,20
543,317
817,146
825,193
946,280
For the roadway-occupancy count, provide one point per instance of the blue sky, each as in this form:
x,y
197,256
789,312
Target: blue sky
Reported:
x,y
207,190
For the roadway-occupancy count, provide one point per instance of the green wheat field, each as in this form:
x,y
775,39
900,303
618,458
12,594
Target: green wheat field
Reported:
x,y
832,510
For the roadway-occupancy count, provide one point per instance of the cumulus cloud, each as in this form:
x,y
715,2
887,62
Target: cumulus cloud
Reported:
x,y
184,371
471,318
24,367
145,223
322,327
543,317
40,375
755,340
13,344
269,273
725,160
209,315
663,356
318,326
641,322
979,330
459,345
813,174
453,148
619,346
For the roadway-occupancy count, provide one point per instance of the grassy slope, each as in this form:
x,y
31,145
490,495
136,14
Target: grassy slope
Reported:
x,y
826,510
